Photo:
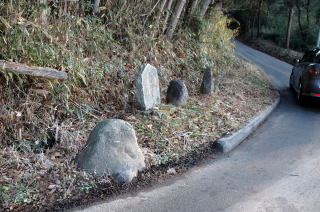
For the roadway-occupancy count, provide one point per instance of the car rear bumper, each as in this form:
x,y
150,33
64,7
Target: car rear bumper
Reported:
x,y
311,95
312,88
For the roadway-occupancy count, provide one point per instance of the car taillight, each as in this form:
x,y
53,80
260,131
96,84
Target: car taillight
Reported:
x,y
314,71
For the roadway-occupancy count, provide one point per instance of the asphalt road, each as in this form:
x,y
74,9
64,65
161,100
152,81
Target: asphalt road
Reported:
x,y
275,169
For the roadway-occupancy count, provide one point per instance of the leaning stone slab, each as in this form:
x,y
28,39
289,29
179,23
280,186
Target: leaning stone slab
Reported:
x,y
147,87
177,93
207,85
112,148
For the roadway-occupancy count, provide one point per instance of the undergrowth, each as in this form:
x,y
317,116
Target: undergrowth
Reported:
x,y
43,124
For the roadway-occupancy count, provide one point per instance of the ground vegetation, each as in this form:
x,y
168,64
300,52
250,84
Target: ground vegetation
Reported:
x,y
100,45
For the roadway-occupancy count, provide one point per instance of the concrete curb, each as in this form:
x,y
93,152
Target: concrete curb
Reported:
x,y
228,143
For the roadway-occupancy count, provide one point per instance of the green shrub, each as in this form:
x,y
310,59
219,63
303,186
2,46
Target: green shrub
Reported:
x,y
215,42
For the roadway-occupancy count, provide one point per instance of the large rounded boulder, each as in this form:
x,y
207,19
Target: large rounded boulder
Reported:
x,y
112,148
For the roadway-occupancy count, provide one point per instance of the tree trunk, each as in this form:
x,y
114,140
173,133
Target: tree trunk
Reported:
x,y
96,6
168,9
191,8
44,12
308,13
162,5
175,18
289,28
299,20
204,7
161,8
252,26
248,28
259,19
19,68
318,42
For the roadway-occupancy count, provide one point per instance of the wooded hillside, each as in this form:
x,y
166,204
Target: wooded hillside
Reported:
x,y
289,23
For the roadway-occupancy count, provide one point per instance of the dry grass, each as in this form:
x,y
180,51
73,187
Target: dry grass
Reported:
x,y
170,132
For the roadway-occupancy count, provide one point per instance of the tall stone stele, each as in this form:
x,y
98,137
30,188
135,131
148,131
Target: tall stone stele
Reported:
x,y
207,85
112,149
147,87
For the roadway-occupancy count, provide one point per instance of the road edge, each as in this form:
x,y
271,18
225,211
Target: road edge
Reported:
x,y
228,143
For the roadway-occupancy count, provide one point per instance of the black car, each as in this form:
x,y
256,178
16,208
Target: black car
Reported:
x,y
305,76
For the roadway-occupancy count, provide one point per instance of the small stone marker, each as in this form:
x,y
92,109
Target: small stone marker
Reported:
x,y
207,85
177,93
112,148
147,87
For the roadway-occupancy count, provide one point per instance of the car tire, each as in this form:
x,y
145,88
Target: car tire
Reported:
x,y
300,97
290,82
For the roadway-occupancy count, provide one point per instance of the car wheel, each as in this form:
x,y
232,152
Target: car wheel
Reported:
x,y
290,81
300,97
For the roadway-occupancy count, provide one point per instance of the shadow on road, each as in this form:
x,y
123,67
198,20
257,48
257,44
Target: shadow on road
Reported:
x,y
311,104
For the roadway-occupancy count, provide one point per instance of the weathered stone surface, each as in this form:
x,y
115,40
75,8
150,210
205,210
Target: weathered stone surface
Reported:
x,y
147,87
112,148
177,93
207,85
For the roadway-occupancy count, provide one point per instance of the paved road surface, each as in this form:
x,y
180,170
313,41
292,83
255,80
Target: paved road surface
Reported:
x,y
276,169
